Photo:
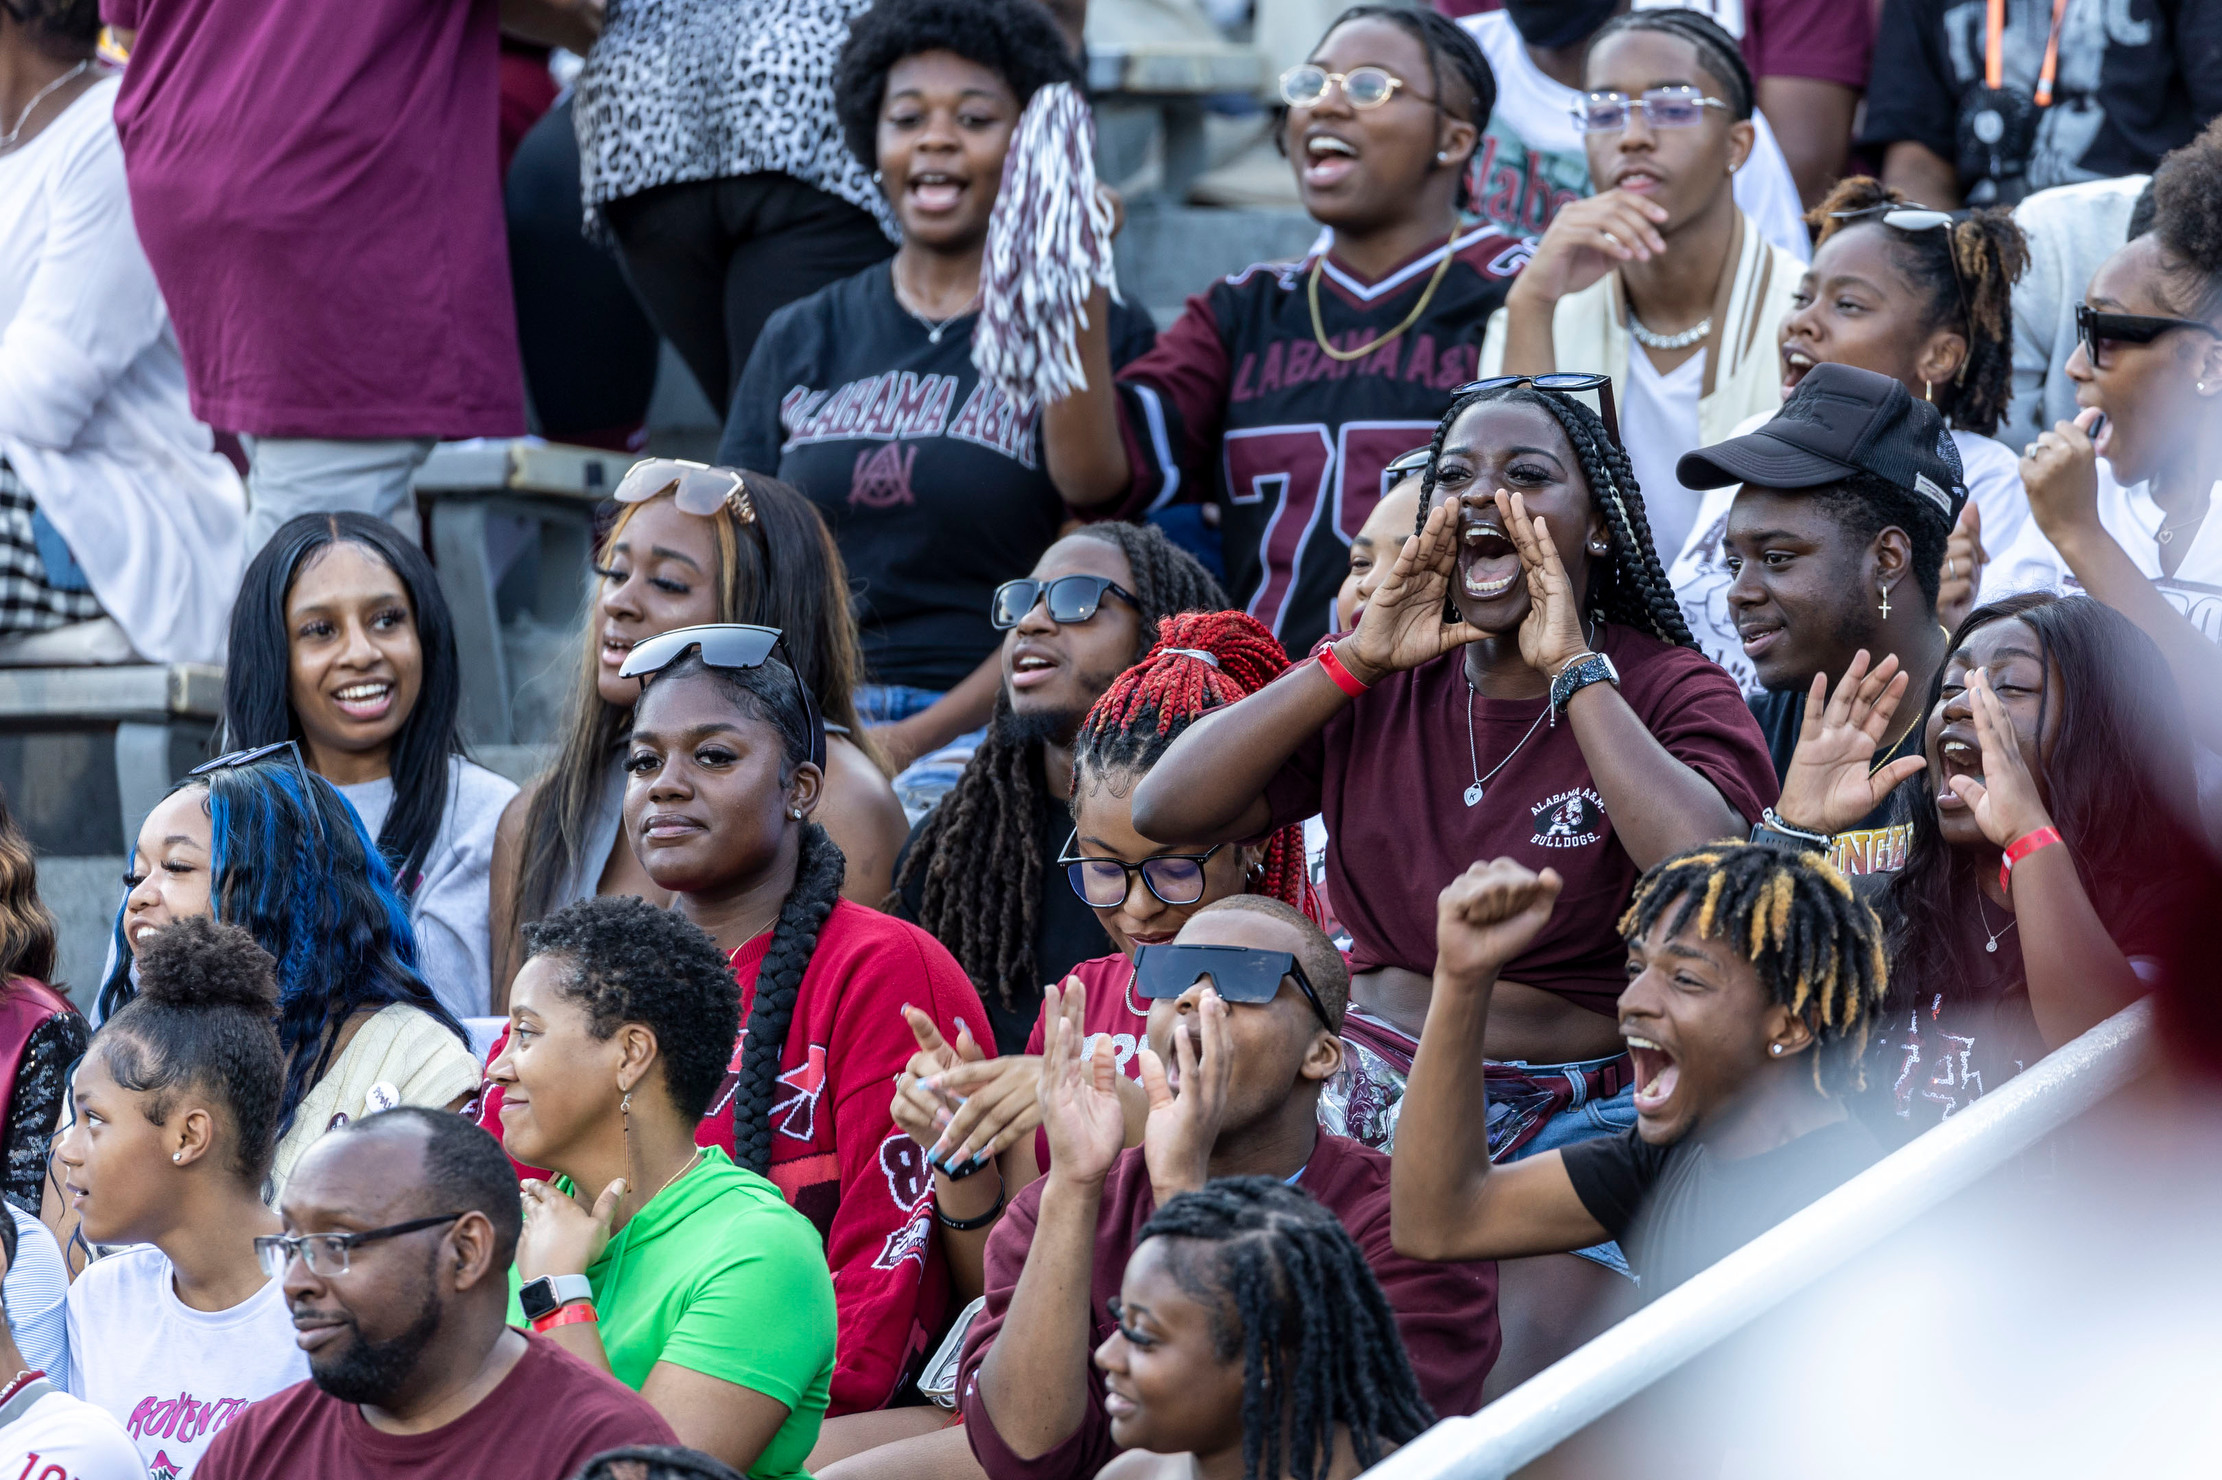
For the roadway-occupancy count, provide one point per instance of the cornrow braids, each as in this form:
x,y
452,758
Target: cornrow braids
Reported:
x,y
1717,52
1293,1295
1202,661
794,941
1965,276
1817,949
975,858
1629,585
1444,40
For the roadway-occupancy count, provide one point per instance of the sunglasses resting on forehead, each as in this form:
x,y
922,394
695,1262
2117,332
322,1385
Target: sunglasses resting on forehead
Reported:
x,y
1237,973
727,645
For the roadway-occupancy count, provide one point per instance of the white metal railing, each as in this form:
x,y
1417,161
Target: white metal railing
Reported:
x,y
1568,1396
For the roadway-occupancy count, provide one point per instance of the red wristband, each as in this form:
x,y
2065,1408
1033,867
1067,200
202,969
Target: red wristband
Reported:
x,y
576,1313
1344,679
2022,847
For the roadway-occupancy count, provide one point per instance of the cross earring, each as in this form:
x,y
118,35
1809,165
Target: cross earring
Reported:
x,y
1884,608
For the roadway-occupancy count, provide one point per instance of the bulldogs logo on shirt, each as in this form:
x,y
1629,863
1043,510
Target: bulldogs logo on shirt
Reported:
x,y
797,1115
1572,819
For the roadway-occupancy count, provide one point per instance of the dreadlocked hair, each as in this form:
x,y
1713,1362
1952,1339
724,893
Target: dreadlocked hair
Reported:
x,y
975,859
1629,585
1293,1296
1202,661
1817,949
1717,52
1987,253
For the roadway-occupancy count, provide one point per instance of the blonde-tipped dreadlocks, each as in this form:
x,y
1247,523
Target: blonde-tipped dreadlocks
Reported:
x,y
1818,950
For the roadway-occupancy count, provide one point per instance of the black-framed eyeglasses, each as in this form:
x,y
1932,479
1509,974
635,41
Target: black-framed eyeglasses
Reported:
x,y
1913,216
1103,883
1663,107
730,645
1566,382
1072,599
1237,973
2098,329
327,1252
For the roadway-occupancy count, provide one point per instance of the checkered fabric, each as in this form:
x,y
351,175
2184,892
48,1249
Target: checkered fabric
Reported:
x,y
29,602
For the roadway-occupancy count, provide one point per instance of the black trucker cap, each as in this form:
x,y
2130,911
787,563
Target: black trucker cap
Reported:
x,y
1841,420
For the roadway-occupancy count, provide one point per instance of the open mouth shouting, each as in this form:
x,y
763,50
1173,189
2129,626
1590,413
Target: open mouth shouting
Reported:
x,y
1657,1074
1795,363
935,192
1328,158
1488,561
1958,756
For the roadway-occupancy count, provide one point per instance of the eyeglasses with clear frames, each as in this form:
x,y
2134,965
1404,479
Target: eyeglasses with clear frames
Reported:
x,y
1663,107
327,1252
1306,85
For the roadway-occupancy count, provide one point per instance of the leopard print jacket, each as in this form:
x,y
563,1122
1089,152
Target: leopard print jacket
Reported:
x,y
685,90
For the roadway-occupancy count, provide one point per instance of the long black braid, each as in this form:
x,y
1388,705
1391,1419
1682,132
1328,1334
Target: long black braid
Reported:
x,y
1292,1293
1629,585
976,859
818,874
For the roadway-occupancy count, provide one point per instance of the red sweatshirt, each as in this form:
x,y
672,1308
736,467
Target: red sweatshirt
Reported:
x,y
837,1155
1446,1313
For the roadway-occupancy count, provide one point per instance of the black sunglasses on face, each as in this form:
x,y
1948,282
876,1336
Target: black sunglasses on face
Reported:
x,y
2097,329
1103,883
729,645
1072,599
1238,973
1565,381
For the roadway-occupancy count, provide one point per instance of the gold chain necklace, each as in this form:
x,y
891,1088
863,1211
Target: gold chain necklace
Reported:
x,y
1918,716
1320,333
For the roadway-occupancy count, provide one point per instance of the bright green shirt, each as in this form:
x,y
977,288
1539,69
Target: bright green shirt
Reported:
x,y
718,1275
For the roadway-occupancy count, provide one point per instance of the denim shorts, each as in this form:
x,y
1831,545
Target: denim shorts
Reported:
x,y
924,782
1585,1121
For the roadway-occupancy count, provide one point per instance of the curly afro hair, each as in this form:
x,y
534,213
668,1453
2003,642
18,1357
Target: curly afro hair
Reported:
x,y
205,1022
633,963
1015,39
2187,217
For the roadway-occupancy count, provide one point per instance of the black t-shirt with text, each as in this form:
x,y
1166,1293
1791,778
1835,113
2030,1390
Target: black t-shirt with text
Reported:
x,y
932,483
1874,848
1676,1210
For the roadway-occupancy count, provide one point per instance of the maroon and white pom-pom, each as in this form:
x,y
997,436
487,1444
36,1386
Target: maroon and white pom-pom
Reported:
x,y
1049,244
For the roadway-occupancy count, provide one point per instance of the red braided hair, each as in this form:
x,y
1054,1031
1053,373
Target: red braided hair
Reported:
x,y
1202,661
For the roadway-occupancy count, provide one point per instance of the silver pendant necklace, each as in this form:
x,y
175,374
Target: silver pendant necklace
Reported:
x,y
934,328
1683,340
7,140
1983,915
1475,792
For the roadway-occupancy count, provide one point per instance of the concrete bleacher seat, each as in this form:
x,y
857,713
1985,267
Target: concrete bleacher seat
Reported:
x,y
85,753
510,528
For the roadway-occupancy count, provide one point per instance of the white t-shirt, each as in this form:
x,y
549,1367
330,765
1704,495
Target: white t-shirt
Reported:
x,y
36,1290
1658,423
450,906
1534,114
45,1434
1700,574
171,1375
2131,516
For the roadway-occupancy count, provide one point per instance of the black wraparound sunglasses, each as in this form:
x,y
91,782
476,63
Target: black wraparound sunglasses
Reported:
x,y
2096,329
1071,599
730,645
1565,382
1237,973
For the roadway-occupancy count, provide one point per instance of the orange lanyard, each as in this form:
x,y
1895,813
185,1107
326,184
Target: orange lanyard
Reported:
x,y
1994,67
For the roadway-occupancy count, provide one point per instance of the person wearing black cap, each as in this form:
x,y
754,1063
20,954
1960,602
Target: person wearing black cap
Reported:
x,y
1836,548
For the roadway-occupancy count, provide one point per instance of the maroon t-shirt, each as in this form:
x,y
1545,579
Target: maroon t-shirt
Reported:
x,y
546,1419
1445,1312
1389,773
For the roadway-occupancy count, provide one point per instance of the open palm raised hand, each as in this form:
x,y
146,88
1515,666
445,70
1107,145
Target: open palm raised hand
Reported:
x,y
1079,1092
1833,781
1403,625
